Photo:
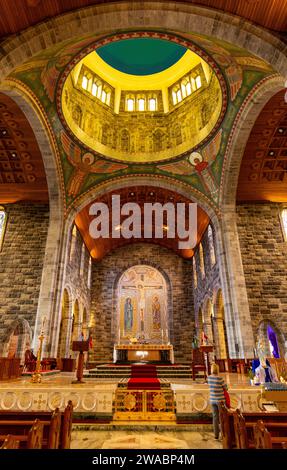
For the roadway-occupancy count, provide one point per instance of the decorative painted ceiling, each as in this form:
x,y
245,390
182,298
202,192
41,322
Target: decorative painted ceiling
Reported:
x,y
141,195
141,56
267,13
199,167
263,172
22,173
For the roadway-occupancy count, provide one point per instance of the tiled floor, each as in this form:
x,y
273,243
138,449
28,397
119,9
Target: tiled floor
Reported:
x,y
147,439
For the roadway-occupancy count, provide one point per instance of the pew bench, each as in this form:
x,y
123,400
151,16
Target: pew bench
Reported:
x,y
33,439
60,432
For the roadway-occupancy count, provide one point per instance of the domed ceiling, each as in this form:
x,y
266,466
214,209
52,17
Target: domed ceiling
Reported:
x,y
195,161
166,108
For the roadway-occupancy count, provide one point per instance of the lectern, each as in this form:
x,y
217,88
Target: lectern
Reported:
x,y
207,349
81,347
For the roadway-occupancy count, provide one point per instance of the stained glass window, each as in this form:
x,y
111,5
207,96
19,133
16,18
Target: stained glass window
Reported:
x,y
284,223
3,220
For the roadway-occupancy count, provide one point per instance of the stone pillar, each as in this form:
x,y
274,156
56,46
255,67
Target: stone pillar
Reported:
x,y
236,308
219,338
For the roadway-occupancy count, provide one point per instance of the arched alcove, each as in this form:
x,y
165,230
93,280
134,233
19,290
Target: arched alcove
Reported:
x,y
141,295
17,339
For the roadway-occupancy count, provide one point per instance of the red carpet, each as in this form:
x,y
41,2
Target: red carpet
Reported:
x,y
143,377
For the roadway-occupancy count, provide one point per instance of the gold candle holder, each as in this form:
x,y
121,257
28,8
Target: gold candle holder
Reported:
x,y
37,376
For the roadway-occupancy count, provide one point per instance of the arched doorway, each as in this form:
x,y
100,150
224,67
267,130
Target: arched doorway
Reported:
x,y
142,305
64,327
221,350
18,340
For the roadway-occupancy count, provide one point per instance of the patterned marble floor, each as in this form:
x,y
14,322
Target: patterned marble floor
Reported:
x,y
138,439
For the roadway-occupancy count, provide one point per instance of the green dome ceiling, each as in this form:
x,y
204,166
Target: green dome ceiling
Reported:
x,y
141,56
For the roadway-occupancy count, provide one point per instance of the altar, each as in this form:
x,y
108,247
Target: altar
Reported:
x,y
143,353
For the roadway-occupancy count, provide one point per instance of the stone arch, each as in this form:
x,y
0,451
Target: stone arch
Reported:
x,y
17,340
65,324
175,17
239,135
85,323
169,307
261,333
49,289
235,324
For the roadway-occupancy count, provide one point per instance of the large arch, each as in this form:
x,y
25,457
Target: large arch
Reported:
x,y
240,343
48,289
174,16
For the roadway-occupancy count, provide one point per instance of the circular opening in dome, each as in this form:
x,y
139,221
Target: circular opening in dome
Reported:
x,y
143,99
141,56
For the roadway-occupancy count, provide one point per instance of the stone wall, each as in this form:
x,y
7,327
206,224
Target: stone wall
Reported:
x,y
263,251
21,264
178,273
75,314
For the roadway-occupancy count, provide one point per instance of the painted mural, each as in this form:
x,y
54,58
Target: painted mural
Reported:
x,y
142,306
200,167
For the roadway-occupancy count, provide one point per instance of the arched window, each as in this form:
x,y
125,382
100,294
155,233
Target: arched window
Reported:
x,y
152,104
198,82
141,104
201,261
104,96
174,97
194,272
3,221
211,245
130,104
83,254
95,87
284,223
85,82
73,243
108,98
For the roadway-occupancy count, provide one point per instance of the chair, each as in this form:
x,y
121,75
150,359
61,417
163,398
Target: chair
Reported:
x,y
198,363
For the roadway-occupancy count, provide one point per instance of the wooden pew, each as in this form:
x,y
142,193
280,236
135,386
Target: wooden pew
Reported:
x,y
33,439
45,418
51,427
264,440
10,443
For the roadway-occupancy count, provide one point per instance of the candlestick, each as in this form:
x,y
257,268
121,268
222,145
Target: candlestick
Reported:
x,y
37,377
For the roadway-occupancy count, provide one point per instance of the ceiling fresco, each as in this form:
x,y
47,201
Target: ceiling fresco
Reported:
x,y
200,167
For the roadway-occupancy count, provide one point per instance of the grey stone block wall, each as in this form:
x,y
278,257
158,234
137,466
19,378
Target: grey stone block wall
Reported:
x,y
21,263
180,296
264,257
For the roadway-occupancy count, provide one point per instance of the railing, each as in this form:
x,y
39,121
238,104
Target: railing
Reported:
x,y
143,405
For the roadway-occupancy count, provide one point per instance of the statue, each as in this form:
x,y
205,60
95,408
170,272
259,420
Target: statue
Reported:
x,y
261,367
128,314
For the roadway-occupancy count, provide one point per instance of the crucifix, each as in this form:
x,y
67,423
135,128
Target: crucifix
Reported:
x,y
142,289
